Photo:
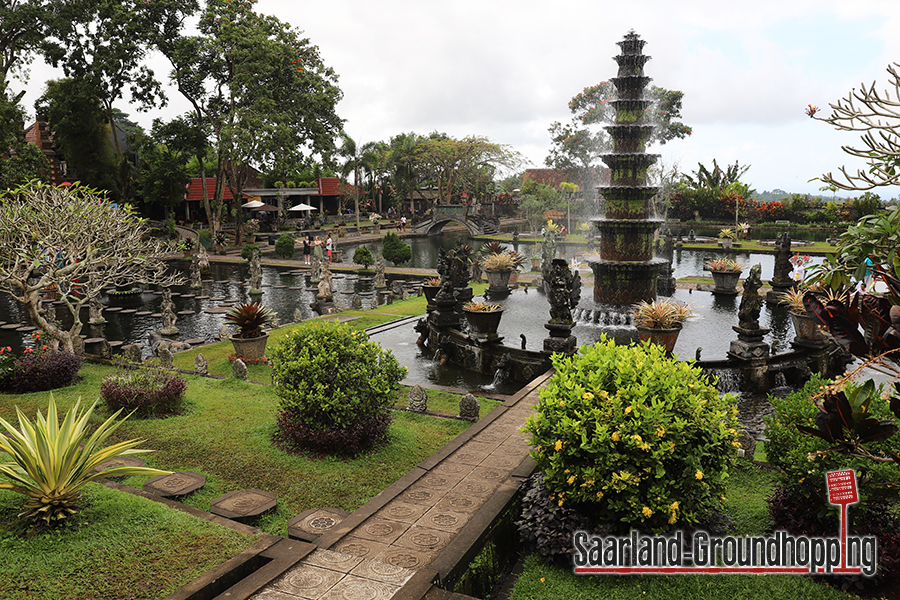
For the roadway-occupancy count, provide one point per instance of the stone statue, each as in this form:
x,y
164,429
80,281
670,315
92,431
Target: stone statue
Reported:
x,y
201,367
255,274
325,292
168,314
379,275
783,266
132,353
166,360
469,408
565,292
356,302
417,399
203,259
751,301
239,369
374,303
195,273
458,265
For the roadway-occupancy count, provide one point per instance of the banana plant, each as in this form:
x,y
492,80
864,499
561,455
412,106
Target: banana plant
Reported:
x,y
51,461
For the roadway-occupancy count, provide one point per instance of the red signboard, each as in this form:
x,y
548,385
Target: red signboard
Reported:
x,y
842,487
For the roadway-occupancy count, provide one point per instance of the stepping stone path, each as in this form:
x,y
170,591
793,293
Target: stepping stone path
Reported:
x,y
26,329
201,297
243,504
217,298
128,311
277,287
10,326
156,315
175,484
185,312
195,341
188,296
313,523
120,461
217,310
112,309
142,313
296,287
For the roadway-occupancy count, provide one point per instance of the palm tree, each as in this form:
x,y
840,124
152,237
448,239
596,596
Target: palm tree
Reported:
x,y
354,156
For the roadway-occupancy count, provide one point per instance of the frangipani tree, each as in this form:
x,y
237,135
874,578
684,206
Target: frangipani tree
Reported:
x,y
69,239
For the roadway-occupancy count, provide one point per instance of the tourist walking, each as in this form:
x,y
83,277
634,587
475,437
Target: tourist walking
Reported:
x,y
329,245
306,250
403,223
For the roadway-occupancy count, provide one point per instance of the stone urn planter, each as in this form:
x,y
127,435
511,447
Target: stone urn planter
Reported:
x,y
498,280
430,292
535,264
662,337
483,324
806,328
250,347
726,282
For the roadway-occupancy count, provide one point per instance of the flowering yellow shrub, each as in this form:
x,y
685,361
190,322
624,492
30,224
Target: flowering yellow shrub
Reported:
x,y
632,437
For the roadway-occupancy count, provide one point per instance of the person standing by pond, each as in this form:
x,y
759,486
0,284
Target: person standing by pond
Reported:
x,y
306,250
317,248
329,246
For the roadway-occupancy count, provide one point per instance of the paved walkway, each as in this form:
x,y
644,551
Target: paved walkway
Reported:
x,y
418,530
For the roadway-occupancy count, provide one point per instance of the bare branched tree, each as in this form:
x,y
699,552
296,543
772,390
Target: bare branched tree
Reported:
x,y
71,241
877,115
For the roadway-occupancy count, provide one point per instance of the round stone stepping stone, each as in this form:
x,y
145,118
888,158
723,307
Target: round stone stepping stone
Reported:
x,y
11,326
175,294
115,343
120,461
156,293
142,313
309,525
366,280
185,312
243,504
112,309
277,287
156,315
226,305
128,311
296,287
175,484
195,341
312,289
348,292
218,298
201,297
187,296
26,328
217,310
207,280
223,281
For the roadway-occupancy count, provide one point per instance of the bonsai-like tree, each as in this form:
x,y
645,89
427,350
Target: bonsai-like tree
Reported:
x,y
395,250
70,240
362,256
876,116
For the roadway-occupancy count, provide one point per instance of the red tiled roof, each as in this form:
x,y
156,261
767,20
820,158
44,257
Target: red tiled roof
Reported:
x,y
329,186
195,189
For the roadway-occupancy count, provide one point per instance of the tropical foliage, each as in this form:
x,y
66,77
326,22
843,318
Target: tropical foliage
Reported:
x,y
51,461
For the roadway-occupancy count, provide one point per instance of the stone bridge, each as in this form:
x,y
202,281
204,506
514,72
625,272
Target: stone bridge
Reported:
x,y
466,215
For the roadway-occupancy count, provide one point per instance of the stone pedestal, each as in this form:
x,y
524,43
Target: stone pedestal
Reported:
x,y
560,339
752,355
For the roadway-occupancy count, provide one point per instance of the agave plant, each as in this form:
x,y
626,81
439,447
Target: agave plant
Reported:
x,y
250,319
51,461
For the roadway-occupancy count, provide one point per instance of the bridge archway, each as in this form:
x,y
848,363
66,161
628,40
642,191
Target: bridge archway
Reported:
x,y
438,223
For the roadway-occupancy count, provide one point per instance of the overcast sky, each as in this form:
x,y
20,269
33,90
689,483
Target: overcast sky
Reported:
x,y
506,70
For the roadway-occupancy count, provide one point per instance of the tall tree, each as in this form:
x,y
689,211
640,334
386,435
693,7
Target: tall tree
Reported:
x,y
77,118
262,88
19,160
24,25
353,156
164,160
576,147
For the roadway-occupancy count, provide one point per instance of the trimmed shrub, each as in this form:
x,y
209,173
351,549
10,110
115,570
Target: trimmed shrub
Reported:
x,y
394,249
147,392
247,251
39,372
284,247
633,438
336,388
363,257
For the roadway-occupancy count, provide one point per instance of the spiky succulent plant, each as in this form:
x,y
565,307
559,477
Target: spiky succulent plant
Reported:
x,y
250,319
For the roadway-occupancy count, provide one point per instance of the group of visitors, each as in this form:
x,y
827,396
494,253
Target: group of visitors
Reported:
x,y
318,248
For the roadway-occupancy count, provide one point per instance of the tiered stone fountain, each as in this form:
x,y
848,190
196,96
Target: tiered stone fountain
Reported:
x,y
626,271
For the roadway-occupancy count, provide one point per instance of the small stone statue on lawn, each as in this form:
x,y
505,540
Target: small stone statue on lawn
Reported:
x,y
356,302
166,360
201,367
418,399
469,408
239,369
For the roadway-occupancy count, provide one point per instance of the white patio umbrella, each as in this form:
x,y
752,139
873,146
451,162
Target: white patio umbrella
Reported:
x,y
252,204
302,206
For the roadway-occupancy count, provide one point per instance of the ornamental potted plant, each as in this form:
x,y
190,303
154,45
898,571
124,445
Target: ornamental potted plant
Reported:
x,y
483,319
660,321
725,274
805,326
250,340
498,268
431,288
727,237
251,228
186,245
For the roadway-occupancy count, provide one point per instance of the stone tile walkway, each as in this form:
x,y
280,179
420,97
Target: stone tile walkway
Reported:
x,y
414,532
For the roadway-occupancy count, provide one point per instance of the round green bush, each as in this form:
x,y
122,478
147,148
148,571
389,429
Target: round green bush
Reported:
x,y
284,247
633,438
395,250
362,256
247,251
336,388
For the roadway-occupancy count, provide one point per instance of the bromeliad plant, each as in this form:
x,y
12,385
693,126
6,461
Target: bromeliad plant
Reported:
x,y
725,265
661,314
250,319
50,465
482,306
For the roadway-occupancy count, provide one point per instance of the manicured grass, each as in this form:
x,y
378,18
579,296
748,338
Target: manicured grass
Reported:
x,y
119,547
748,486
445,402
225,432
